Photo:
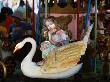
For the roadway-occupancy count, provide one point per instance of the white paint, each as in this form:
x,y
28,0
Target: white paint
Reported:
x,y
32,70
30,2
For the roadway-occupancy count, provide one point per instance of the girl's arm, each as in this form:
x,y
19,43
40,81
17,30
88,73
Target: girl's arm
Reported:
x,y
50,38
65,38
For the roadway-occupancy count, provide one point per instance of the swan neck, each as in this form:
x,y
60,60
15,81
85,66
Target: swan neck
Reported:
x,y
86,37
33,49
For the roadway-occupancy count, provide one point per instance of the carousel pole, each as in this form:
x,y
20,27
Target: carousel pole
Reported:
x,y
88,14
46,8
78,12
26,12
38,24
95,30
33,20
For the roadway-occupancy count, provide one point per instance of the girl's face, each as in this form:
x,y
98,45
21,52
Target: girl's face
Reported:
x,y
50,25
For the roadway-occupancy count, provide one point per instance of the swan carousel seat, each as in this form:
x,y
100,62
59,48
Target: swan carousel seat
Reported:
x,y
62,62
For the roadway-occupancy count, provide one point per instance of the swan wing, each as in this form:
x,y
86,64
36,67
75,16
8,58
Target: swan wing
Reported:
x,y
67,56
64,57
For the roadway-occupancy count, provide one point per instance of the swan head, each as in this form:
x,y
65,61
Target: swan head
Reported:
x,y
18,47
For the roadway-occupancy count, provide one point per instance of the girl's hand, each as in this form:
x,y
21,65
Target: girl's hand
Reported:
x,y
45,34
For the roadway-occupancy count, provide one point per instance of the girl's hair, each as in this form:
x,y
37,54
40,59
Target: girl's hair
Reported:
x,y
53,20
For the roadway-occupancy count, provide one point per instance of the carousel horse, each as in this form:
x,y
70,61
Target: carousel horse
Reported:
x,y
103,45
7,67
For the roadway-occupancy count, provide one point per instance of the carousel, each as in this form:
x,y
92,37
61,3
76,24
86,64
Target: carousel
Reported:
x,y
61,62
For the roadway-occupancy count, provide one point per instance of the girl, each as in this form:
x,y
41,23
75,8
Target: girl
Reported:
x,y
56,36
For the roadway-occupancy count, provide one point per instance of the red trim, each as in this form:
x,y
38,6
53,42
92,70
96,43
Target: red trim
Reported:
x,y
78,11
33,21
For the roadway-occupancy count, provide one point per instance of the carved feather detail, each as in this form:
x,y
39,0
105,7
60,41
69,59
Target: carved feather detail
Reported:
x,y
64,57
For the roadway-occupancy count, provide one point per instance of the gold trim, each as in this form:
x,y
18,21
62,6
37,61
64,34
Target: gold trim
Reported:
x,y
4,67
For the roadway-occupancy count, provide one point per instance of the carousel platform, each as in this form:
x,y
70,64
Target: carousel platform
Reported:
x,y
90,77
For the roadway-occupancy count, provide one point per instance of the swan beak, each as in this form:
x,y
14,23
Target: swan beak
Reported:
x,y
16,48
